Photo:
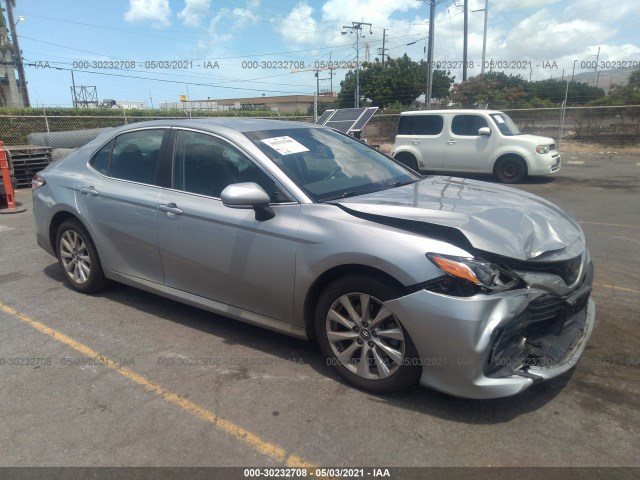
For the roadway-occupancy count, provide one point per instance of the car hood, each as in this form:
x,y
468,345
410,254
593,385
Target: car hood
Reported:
x,y
492,218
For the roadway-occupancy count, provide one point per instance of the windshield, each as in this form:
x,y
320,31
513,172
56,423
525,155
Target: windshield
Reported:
x,y
505,124
327,165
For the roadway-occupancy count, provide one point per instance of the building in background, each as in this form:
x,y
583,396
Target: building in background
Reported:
x,y
282,104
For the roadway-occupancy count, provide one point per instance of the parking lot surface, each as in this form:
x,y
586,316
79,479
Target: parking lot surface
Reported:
x,y
127,378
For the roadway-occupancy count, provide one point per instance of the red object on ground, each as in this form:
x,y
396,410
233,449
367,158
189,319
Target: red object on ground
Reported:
x,y
6,177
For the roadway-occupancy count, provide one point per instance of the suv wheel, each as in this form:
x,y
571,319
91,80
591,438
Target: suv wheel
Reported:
x,y
408,160
511,170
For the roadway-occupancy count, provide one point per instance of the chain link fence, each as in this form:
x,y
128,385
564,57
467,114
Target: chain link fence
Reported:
x,y
599,125
602,125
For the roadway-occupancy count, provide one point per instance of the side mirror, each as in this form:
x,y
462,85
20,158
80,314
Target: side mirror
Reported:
x,y
486,131
248,195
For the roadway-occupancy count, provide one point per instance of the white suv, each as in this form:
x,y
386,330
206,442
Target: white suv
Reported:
x,y
478,141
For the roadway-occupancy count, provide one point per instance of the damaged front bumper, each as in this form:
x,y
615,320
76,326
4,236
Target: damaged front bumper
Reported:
x,y
489,346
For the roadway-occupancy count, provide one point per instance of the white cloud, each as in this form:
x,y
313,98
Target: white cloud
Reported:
x,y
597,10
234,19
156,11
246,16
194,11
300,26
508,5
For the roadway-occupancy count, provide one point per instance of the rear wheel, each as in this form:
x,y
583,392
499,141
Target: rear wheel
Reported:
x,y
511,170
78,257
362,339
407,160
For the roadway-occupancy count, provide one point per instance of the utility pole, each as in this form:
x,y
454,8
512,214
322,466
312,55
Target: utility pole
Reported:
x,y
465,41
74,97
383,51
484,38
315,100
595,72
356,27
429,80
17,54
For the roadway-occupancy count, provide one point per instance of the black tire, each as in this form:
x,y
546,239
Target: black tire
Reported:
x,y
382,374
511,170
408,160
78,257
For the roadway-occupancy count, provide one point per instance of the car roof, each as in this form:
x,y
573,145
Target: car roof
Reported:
x,y
454,111
220,124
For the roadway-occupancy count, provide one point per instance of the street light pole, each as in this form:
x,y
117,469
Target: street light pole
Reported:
x,y
356,27
18,54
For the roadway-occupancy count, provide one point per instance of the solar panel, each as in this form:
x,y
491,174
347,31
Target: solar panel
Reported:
x,y
344,114
324,117
347,120
342,125
364,119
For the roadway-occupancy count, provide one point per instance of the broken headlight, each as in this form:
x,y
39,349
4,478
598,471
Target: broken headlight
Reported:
x,y
468,276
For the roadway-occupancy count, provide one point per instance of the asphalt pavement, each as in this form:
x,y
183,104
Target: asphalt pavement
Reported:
x,y
127,378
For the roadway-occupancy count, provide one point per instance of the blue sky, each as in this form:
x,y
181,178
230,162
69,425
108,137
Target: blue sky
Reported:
x,y
542,36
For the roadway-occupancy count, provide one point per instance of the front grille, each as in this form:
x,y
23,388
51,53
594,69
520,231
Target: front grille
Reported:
x,y
543,335
568,270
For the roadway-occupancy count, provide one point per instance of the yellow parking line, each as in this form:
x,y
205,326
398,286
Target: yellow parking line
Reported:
x,y
605,285
254,441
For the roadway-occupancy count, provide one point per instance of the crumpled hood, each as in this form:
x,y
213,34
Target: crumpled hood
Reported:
x,y
493,218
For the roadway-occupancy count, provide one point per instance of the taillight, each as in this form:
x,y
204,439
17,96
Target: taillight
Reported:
x,y
37,182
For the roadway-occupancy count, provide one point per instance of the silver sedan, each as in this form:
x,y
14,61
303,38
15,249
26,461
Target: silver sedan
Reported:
x,y
473,289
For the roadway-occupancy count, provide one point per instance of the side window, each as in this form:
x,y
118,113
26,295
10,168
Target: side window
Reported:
x,y
205,165
467,125
100,160
420,125
135,156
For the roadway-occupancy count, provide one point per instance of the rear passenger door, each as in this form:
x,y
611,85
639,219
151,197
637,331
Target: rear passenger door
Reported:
x,y
117,201
465,149
221,253
423,136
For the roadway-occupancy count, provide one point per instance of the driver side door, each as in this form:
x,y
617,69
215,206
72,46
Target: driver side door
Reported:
x,y
220,253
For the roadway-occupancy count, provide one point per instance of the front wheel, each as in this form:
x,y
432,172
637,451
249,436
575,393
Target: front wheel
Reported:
x,y
362,339
78,257
511,170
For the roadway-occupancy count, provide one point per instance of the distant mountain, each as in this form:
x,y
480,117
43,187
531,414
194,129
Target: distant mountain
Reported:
x,y
605,78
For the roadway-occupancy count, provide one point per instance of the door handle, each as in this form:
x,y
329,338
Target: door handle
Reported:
x,y
451,142
91,191
170,209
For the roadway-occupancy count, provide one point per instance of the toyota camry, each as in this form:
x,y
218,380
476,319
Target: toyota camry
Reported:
x,y
470,288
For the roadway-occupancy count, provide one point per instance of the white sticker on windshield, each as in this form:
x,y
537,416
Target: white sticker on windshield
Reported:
x,y
285,145
499,119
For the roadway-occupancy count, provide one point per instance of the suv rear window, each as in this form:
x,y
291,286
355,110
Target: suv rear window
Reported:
x,y
420,124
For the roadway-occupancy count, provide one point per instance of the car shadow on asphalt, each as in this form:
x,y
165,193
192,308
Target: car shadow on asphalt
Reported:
x,y
419,399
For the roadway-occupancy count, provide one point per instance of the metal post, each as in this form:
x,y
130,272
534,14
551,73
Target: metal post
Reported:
x,y
357,102
465,41
315,100
18,56
74,98
484,38
429,86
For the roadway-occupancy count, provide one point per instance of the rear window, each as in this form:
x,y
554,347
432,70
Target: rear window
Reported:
x,y
420,125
